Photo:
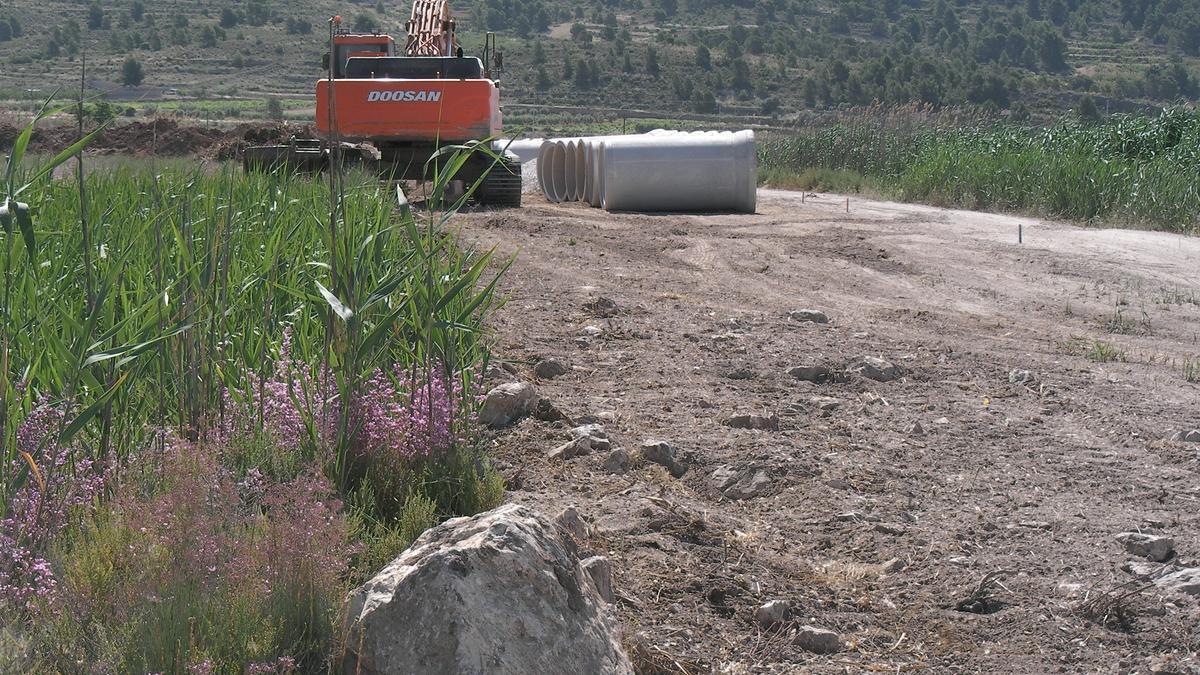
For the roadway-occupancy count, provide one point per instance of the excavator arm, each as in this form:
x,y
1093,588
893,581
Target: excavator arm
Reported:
x,y
431,29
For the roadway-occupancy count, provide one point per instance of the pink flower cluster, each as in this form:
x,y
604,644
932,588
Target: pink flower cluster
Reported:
x,y
401,414
419,425
41,508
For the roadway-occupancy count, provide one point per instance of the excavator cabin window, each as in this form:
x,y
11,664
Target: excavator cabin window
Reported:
x,y
414,68
346,52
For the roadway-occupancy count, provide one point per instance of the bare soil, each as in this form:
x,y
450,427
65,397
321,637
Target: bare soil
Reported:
x,y
869,527
164,137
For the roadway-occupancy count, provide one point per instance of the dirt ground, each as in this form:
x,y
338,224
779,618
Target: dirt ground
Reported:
x,y
164,137
877,509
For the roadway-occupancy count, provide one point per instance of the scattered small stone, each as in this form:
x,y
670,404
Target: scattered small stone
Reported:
x,y
571,450
594,434
889,528
548,369
857,516
893,566
570,522
618,461
875,368
744,484
814,373
495,372
545,411
1150,546
826,404
942,421
871,398
756,422
603,308
809,316
839,484
773,613
916,429
508,403
1035,524
1142,568
599,570
817,640
664,454
1186,580
741,374
1024,377
1192,436
591,331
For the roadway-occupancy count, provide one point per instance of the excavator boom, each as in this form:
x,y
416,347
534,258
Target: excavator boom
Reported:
x,y
431,29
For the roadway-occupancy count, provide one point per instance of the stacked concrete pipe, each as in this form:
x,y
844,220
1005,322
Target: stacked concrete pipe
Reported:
x,y
658,171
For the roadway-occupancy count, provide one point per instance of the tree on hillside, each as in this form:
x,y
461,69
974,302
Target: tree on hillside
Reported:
x,y
703,58
131,73
229,18
274,109
137,11
1087,110
652,62
95,17
5,31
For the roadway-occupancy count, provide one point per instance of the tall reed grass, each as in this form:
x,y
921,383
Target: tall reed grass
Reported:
x,y
1131,169
212,369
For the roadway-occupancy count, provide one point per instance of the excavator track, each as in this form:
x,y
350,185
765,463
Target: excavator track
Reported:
x,y
502,185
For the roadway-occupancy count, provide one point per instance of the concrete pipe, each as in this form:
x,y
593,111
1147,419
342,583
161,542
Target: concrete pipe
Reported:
x,y
543,164
527,149
681,172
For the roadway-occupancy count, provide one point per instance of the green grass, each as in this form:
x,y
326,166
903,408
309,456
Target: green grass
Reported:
x,y
157,297
1131,170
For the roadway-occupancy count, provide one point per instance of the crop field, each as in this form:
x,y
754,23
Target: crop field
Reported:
x,y
226,399
1130,169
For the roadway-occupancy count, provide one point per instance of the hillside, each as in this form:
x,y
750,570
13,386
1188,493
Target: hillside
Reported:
x,y
770,59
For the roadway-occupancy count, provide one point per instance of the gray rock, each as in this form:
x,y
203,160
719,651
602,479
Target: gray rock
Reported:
x,y
1022,377
572,525
1186,580
893,566
817,640
890,528
809,316
744,484
826,404
756,422
599,570
618,461
1192,436
1151,546
916,429
816,374
663,453
507,404
571,450
496,593
594,434
875,368
548,369
773,613
1142,568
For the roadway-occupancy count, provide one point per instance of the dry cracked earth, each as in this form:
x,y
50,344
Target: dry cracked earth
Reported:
x,y
961,517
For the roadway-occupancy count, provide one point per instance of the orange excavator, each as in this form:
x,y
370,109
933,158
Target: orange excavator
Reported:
x,y
395,111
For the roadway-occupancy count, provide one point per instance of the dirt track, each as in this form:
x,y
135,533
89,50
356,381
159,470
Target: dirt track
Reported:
x,y
1031,479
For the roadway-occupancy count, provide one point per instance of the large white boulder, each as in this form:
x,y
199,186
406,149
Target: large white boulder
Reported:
x,y
496,593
